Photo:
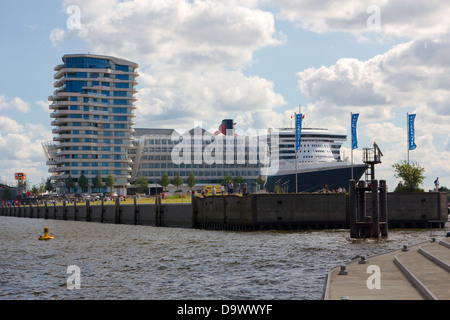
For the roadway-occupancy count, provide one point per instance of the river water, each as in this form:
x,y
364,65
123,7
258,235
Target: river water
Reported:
x,y
144,262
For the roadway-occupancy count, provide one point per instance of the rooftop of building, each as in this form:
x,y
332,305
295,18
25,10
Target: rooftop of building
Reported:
x,y
114,59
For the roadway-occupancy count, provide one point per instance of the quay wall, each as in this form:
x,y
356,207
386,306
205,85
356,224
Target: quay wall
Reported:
x,y
314,211
271,211
250,212
415,209
168,215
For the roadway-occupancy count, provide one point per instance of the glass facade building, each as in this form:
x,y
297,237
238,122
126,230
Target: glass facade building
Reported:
x,y
93,110
210,157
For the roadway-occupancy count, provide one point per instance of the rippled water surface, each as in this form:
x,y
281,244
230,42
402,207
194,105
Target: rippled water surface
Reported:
x,y
143,262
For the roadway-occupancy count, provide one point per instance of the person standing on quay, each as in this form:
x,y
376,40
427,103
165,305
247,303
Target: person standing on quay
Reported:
x,y
230,187
436,184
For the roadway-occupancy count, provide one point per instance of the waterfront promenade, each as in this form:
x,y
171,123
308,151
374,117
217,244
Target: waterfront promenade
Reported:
x,y
419,272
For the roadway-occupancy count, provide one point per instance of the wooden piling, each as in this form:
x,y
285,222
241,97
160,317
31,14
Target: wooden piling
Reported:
x,y
64,210
375,227
135,218
117,216
102,211
353,209
31,210
158,210
75,210
383,208
88,210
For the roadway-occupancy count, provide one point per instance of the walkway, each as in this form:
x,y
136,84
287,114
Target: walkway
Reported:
x,y
419,272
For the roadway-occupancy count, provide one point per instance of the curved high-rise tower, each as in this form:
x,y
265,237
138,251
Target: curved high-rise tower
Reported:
x,y
93,111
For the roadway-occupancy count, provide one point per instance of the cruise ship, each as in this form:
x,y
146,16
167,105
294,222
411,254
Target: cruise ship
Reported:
x,y
319,163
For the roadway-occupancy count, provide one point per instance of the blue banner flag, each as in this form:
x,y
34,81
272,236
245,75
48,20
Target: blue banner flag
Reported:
x,y
354,137
411,133
298,130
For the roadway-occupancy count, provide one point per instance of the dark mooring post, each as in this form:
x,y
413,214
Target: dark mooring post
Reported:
x,y
64,210
102,216
353,209
88,210
361,200
135,207
31,210
75,210
375,228
158,210
117,215
383,208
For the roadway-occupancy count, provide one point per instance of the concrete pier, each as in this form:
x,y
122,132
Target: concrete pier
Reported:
x,y
419,272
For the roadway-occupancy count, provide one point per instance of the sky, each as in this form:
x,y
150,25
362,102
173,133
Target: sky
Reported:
x,y
255,61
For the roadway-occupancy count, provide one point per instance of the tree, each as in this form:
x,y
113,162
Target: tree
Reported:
x,y
239,179
35,190
49,185
260,180
278,189
70,183
191,181
110,181
164,182
41,186
226,179
177,181
141,184
83,182
98,183
412,175
6,193
24,185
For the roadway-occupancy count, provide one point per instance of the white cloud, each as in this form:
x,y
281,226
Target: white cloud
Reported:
x,y
210,96
384,132
447,143
21,149
349,82
57,36
191,55
410,74
44,105
14,104
8,125
22,141
418,19
199,34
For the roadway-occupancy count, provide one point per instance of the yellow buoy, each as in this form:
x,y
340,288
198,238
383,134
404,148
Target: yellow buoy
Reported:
x,y
46,236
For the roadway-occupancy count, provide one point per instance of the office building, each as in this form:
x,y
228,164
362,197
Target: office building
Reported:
x,y
210,156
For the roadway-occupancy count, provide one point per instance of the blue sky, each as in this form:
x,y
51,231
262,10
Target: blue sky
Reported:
x,y
253,60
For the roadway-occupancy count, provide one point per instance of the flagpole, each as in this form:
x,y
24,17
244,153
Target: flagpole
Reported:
x,y
296,156
351,121
407,136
